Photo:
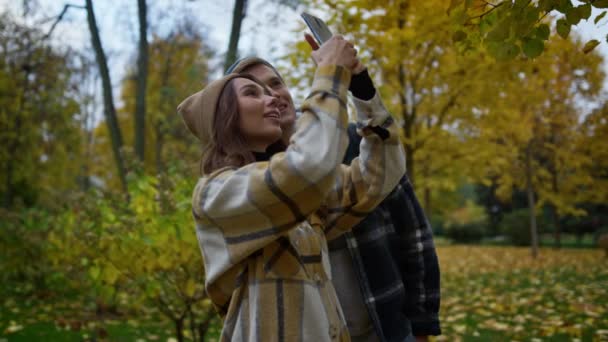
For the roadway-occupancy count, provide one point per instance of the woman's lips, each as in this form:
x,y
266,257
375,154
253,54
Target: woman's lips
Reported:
x,y
275,114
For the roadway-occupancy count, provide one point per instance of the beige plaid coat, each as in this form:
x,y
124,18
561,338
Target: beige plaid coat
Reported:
x,y
263,228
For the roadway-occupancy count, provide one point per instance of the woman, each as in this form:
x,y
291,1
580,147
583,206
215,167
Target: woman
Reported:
x,y
262,222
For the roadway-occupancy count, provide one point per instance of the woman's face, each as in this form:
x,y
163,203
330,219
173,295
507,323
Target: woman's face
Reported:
x,y
270,78
259,116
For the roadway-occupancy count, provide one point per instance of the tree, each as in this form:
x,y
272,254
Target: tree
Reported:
x,y
108,99
238,14
426,84
593,143
142,77
537,135
507,28
178,67
38,118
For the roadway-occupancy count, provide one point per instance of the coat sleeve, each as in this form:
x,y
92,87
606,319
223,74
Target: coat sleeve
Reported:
x,y
371,176
417,259
240,211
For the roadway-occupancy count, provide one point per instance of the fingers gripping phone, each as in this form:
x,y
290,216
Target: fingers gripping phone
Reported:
x,y
318,28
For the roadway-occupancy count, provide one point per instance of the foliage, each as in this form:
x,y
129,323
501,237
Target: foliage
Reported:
x,y
593,143
502,294
488,294
466,232
466,224
516,226
507,29
425,83
178,67
125,256
39,127
24,249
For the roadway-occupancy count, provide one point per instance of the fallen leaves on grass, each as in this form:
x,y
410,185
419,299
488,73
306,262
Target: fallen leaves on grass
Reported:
x,y
502,291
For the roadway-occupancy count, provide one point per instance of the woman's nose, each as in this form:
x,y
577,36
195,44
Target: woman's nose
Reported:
x,y
273,92
272,100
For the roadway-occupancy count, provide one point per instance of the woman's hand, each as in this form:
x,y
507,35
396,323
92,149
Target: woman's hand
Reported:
x,y
359,67
336,51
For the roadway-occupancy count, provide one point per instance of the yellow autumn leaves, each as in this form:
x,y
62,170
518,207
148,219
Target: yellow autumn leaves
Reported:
x,y
502,294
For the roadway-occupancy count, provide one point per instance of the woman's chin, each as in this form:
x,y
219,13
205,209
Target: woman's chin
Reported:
x,y
277,133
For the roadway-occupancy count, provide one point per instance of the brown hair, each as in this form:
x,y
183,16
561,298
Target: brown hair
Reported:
x,y
228,147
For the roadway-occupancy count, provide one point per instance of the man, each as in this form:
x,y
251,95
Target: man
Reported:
x,y
385,271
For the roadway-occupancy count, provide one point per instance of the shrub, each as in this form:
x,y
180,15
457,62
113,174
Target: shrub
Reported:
x,y
516,226
123,255
466,232
466,224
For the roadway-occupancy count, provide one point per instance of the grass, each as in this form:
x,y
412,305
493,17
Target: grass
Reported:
x,y
502,294
489,293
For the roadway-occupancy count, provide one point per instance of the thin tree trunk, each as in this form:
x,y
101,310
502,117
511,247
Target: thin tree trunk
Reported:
x,y
408,118
555,189
142,77
108,100
179,329
426,174
88,139
237,18
557,228
530,191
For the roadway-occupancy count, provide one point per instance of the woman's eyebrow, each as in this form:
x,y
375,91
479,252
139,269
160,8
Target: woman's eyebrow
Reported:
x,y
250,86
274,79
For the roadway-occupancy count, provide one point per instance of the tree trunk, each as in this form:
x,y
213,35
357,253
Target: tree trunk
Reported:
x,y
409,118
557,228
142,77
179,329
530,191
237,18
108,100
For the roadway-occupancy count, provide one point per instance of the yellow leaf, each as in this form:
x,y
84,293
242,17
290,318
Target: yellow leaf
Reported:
x,y
190,287
110,274
454,4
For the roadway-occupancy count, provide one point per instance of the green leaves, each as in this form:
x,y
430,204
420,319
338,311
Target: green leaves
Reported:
x,y
575,14
590,45
599,17
543,32
503,51
499,33
600,4
563,28
520,23
459,36
533,48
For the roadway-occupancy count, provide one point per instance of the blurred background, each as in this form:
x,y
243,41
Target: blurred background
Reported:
x,y
504,115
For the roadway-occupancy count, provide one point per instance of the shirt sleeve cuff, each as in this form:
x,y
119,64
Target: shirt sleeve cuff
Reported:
x,y
371,112
331,78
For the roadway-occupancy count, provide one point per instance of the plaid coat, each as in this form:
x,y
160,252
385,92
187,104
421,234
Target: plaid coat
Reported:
x,y
262,228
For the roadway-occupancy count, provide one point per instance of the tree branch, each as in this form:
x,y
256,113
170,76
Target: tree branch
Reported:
x,y
60,17
486,12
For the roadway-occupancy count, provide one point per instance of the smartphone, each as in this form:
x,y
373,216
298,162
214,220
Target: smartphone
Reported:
x,y
318,28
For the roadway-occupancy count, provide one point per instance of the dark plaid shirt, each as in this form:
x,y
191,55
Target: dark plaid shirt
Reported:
x,y
395,260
